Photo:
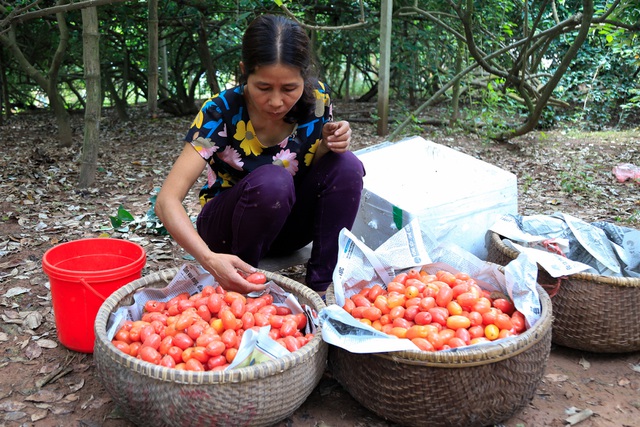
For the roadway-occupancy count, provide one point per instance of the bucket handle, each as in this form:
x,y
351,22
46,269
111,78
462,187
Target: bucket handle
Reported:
x,y
90,288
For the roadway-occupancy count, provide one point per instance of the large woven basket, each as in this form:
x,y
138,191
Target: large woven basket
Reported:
x,y
258,395
470,386
591,312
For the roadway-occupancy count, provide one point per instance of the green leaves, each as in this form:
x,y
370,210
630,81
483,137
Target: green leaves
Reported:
x,y
122,217
125,222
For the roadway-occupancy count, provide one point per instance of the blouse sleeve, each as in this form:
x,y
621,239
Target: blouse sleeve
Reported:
x,y
207,132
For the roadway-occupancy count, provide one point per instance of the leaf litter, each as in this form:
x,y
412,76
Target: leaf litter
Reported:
x,y
41,208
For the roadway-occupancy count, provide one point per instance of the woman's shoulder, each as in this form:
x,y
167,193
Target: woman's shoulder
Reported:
x,y
227,100
321,86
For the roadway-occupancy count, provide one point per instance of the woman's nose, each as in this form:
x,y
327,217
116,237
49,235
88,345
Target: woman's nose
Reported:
x,y
276,100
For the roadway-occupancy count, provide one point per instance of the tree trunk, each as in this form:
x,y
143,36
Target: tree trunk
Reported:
x,y
547,91
4,92
91,55
205,57
118,102
49,82
455,91
347,72
153,58
65,134
386,12
164,90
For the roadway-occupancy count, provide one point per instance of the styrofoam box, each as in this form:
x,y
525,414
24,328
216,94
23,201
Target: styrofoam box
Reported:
x,y
455,196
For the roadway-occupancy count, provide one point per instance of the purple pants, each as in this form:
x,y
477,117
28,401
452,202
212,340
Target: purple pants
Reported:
x,y
266,214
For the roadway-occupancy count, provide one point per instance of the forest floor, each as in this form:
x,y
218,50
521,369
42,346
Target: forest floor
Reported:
x,y
559,170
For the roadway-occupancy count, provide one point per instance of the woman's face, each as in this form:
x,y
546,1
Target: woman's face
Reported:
x,y
274,89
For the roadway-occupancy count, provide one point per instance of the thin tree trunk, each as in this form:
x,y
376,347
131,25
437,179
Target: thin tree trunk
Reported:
x,y
63,120
164,92
4,91
153,58
91,55
386,12
205,57
118,102
455,91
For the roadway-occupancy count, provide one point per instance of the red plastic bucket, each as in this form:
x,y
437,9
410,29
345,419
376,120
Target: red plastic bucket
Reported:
x,y
83,273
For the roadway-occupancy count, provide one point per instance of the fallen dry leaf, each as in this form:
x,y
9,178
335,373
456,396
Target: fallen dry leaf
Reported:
x,y
584,363
32,319
16,291
14,416
556,378
45,343
38,415
12,405
71,398
579,416
623,382
33,350
77,386
44,396
61,410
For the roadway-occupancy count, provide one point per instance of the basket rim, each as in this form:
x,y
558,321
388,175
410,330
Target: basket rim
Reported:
x,y
606,280
463,357
237,375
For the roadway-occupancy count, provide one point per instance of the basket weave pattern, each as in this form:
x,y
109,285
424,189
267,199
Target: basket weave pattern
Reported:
x,y
469,386
258,395
591,312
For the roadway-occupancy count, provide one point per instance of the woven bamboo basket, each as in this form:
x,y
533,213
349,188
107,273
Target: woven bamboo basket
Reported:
x,y
258,395
591,312
470,386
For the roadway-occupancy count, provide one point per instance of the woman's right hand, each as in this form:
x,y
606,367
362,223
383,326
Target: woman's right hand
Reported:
x,y
226,269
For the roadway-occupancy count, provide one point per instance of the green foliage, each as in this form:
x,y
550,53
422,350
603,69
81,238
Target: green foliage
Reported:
x,y
125,222
123,216
602,86
525,182
577,180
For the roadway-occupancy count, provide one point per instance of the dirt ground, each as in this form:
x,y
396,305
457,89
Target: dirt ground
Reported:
x,y
44,384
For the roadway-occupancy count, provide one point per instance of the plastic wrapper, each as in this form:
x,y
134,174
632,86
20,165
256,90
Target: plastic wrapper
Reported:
x,y
627,171
565,245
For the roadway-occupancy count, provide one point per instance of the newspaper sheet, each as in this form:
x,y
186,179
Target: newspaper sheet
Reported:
x,y
565,245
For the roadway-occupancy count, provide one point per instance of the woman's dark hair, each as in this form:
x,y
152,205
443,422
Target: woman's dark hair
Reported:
x,y
272,40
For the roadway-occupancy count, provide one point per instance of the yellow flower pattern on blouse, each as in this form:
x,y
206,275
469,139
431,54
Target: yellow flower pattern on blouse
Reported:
x,y
322,100
199,119
223,134
308,158
247,135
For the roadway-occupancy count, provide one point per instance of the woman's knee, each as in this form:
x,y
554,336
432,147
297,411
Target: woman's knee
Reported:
x,y
271,185
344,165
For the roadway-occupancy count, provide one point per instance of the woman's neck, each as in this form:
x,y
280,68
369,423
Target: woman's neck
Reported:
x,y
268,131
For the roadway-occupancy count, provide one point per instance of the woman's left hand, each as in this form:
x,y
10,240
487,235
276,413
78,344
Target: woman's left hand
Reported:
x,y
336,136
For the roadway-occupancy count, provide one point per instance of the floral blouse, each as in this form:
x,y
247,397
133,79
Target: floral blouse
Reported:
x,y
223,134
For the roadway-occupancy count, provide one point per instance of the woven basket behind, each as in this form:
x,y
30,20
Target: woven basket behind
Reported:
x,y
259,395
469,386
591,312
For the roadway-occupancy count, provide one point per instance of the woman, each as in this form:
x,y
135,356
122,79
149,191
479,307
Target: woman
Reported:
x,y
279,170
